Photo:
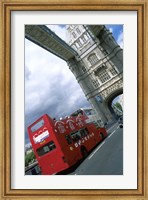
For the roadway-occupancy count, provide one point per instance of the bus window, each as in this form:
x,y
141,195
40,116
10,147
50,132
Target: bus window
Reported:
x,y
84,132
77,113
68,138
46,148
80,113
37,125
89,112
76,136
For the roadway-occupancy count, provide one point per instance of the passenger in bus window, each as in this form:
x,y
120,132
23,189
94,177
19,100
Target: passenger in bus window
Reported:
x,y
77,137
86,131
74,138
82,133
68,138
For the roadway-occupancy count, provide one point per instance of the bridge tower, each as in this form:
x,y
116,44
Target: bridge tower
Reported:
x,y
98,67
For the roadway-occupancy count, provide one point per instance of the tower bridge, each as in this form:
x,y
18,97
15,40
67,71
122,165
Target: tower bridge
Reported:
x,y
93,56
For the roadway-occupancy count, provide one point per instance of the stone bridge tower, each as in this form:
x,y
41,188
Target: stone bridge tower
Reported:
x,y
98,67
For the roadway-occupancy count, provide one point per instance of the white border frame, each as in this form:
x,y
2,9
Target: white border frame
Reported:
x,y
126,181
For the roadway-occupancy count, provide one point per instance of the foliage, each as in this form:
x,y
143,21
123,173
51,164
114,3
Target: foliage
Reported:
x,y
118,105
29,158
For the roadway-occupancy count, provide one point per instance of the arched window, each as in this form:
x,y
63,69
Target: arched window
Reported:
x,y
104,76
74,35
74,46
78,30
113,71
84,39
96,83
79,43
93,59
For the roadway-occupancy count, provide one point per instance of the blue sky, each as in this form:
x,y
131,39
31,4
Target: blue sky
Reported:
x,y
50,87
116,30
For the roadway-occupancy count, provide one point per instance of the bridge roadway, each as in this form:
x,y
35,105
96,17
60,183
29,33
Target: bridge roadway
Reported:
x,y
106,158
47,39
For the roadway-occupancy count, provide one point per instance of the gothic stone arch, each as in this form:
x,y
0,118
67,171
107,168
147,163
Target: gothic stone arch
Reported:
x,y
110,98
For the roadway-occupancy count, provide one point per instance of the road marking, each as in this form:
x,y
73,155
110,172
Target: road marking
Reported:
x,y
102,143
96,150
111,134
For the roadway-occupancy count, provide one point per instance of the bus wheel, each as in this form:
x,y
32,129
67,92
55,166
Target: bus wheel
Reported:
x,y
102,136
84,152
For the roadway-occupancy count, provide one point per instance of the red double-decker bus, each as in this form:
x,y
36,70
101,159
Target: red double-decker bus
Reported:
x,y
58,145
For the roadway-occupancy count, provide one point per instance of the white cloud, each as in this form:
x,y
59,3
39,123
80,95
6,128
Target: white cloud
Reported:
x,y
58,30
50,87
111,30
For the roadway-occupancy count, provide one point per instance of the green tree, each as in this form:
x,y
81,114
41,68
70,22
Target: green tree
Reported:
x,y
26,162
118,105
29,158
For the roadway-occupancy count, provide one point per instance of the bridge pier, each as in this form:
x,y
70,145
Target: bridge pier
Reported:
x,y
99,105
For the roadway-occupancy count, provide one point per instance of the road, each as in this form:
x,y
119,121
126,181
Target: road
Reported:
x,y
106,158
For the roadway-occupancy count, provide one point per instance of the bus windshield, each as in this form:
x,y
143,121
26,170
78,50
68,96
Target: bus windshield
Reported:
x,y
37,125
